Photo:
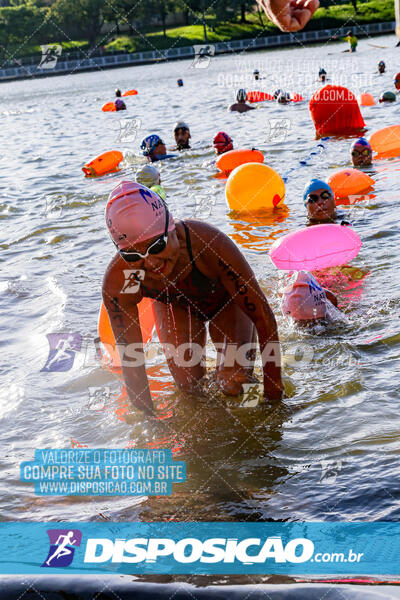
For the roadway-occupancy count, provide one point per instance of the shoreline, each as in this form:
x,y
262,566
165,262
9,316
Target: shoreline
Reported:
x,y
70,67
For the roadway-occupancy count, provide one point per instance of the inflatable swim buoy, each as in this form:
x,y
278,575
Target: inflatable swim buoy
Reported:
x,y
228,161
386,142
130,93
105,163
296,98
254,186
335,111
366,99
106,335
258,97
350,181
316,247
109,107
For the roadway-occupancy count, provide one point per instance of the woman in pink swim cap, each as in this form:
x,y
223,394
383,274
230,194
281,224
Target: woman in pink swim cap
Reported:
x,y
196,275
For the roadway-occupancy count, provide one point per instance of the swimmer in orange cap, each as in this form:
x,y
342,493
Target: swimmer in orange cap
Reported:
x,y
240,104
196,276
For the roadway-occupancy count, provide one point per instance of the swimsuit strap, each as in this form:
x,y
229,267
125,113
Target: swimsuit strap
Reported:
x,y
189,244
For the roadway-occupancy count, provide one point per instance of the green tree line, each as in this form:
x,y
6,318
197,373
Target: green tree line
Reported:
x,y
26,23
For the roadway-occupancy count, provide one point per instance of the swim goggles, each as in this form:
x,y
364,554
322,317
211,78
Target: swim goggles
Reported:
x,y
155,247
311,198
365,152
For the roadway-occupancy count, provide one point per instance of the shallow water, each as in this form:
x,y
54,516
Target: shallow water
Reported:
x,y
331,454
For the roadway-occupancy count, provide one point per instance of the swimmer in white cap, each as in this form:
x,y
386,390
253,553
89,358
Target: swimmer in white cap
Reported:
x,y
305,301
182,135
240,105
151,178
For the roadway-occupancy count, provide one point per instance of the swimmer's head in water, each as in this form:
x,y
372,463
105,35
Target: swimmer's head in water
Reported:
x,y
304,299
222,142
381,67
153,144
182,135
241,95
319,200
283,98
387,97
118,93
361,153
148,176
135,214
179,82
397,81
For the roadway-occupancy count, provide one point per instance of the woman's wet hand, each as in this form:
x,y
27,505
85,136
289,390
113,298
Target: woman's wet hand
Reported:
x,y
289,15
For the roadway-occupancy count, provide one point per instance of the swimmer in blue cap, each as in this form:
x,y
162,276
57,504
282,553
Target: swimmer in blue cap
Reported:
x,y
154,148
361,153
319,200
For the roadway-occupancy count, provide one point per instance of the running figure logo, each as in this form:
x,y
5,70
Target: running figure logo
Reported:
x,y
128,129
63,347
133,277
50,55
202,56
277,130
62,547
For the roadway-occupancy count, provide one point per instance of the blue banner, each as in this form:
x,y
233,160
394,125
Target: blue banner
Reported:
x,y
201,548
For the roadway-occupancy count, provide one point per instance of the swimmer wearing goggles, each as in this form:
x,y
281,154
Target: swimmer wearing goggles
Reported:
x,y
319,200
361,153
200,282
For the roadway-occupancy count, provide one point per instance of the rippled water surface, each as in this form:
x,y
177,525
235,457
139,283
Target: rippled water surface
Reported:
x,y
333,452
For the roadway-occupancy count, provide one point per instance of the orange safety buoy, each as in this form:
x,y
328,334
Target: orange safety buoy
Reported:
x,y
254,187
258,97
130,93
105,163
335,111
296,98
366,99
106,335
350,181
228,161
386,141
109,107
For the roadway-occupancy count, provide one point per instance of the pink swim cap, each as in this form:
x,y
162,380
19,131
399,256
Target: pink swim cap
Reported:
x,y
304,299
135,214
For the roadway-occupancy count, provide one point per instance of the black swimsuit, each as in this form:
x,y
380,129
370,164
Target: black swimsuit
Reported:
x,y
203,296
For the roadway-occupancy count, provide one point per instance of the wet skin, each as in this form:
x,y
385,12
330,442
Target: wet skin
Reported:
x,y
182,137
358,158
247,312
322,211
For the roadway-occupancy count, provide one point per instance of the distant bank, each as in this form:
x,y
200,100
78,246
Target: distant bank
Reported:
x,y
63,67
